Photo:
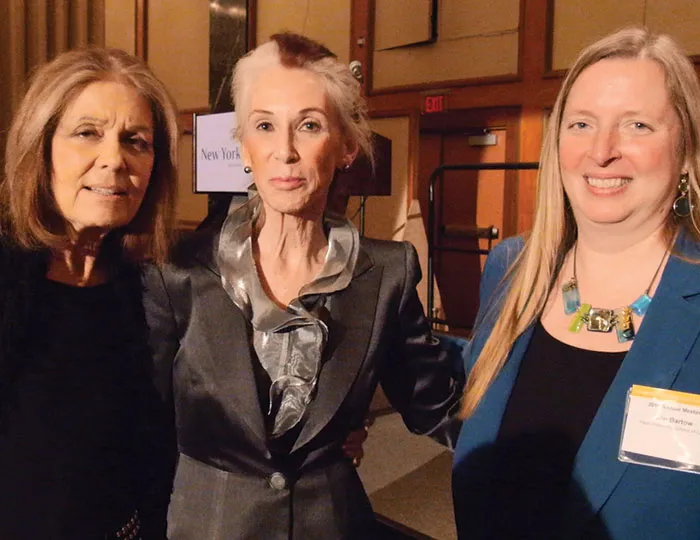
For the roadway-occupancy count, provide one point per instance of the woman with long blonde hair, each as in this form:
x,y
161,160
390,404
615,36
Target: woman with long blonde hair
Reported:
x,y
603,294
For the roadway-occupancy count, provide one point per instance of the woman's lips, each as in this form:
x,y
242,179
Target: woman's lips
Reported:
x,y
287,182
609,185
107,191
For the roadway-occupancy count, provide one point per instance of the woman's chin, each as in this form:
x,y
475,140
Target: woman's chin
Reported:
x,y
296,207
99,227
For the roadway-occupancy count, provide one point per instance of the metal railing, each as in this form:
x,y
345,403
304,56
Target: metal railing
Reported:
x,y
490,232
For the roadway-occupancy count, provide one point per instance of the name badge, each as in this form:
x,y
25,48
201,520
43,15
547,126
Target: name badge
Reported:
x,y
662,429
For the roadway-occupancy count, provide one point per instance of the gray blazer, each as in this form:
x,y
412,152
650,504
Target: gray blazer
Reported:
x,y
229,485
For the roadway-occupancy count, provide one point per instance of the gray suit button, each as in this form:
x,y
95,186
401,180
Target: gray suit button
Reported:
x,y
277,481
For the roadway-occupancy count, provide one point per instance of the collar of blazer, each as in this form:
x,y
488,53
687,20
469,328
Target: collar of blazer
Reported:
x,y
352,311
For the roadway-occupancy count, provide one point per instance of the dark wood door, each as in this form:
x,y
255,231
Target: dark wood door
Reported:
x,y
466,202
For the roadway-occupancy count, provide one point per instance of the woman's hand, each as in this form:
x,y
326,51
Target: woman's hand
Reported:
x,y
353,445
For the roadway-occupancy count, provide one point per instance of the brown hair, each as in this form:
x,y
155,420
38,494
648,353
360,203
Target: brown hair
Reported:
x,y
531,276
28,213
296,51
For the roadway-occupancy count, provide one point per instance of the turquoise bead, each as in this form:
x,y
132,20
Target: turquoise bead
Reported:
x,y
641,304
572,301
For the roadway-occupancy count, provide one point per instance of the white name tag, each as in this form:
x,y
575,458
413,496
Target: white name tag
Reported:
x,y
662,429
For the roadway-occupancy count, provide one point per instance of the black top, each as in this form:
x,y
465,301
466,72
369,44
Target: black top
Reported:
x,y
556,395
81,443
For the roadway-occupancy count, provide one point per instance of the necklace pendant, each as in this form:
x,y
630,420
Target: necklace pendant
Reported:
x,y
580,318
641,304
600,320
572,301
624,327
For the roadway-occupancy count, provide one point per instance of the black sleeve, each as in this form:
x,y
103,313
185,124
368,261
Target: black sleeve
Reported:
x,y
420,381
154,445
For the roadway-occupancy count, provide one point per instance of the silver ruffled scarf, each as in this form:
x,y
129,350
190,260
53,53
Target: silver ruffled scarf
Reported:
x,y
289,342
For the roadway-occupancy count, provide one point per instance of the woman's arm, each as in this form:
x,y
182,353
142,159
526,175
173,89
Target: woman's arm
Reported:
x,y
419,378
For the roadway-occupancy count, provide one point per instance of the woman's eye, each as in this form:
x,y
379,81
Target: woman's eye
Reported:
x,y
311,125
87,133
142,145
578,125
263,126
640,126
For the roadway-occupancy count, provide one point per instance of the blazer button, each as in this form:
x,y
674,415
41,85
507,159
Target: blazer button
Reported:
x,y
277,481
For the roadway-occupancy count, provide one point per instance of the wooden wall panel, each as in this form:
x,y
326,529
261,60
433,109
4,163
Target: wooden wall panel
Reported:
x,y
446,61
397,26
178,49
386,216
680,18
475,40
469,18
324,20
120,30
578,23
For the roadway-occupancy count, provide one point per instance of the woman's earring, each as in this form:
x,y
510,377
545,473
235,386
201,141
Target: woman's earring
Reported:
x,y
682,206
346,167
247,169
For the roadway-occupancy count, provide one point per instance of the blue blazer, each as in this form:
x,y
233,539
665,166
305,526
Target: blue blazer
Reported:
x,y
608,499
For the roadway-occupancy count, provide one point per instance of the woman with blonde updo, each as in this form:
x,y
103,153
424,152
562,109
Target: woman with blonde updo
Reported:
x,y
274,326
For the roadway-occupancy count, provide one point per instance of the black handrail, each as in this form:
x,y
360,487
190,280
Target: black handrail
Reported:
x,y
437,173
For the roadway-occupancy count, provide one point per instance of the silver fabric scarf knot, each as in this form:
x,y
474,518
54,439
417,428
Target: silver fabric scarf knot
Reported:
x,y
289,342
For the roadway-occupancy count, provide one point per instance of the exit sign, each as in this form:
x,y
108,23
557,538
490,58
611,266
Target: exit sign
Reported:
x,y
434,104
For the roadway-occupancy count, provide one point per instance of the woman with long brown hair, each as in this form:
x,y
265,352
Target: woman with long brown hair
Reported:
x,y
87,196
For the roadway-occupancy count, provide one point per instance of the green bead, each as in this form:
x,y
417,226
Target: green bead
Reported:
x,y
580,318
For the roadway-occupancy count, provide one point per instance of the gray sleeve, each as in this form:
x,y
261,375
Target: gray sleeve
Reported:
x,y
164,339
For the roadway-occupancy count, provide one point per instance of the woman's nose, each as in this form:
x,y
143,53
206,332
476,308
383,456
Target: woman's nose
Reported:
x,y
604,147
286,150
111,154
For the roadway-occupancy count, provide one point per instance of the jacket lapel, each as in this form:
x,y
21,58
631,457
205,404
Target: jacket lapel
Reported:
x,y
351,311
665,338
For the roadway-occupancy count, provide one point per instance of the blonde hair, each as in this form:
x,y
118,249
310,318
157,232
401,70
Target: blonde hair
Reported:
x,y
295,51
28,213
531,276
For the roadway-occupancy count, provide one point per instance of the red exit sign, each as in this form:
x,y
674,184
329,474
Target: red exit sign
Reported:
x,y
434,104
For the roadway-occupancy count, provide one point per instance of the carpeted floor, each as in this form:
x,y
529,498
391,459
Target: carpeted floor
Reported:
x,y
408,481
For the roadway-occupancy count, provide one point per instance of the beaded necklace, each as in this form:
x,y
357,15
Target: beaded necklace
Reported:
x,y
604,319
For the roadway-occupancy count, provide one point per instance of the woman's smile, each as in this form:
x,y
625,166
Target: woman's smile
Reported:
x,y
606,186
